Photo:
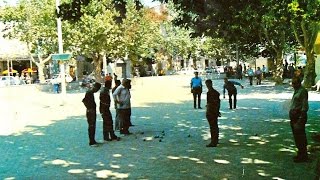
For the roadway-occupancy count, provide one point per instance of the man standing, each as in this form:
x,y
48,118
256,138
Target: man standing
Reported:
x,y
250,75
212,113
123,99
90,104
105,101
232,91
298,118
196,90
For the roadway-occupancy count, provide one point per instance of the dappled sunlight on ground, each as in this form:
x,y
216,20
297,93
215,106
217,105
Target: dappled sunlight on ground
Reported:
x,y
168,141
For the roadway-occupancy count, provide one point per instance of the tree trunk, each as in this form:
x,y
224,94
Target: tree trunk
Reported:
x,y
309,72
97,61
40,72
277,76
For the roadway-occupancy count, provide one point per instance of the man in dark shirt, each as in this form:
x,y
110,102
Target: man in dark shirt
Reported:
x,y
105,101
232,91
298,118
90,104
212,112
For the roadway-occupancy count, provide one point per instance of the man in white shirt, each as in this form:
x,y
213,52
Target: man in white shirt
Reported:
x,y
122,97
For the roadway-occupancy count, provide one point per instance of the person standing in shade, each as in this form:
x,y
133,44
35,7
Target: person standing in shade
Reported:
x,y
196,90
298,118
105,101
90,105
250,75
232,91
258,74
117,121
212,112
122,97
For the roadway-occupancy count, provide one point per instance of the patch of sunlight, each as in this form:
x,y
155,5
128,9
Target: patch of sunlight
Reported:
x,y
131,165
108,174
9,178
154,158
61,162
286,150
150,138
247,161
258,161
255,108
221,161
262,142
241,134
262,173
36,157
117,155
200,162
253,153
76,171
144,117
194,159
250,145
255,138
233,140
38,134
277,178
220,118
134,149
173,157
181,125
114,166
190,150
100,164
166,117
230,127
274,135
277,120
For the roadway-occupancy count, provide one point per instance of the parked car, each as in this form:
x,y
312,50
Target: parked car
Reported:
x,y
56,79
7,80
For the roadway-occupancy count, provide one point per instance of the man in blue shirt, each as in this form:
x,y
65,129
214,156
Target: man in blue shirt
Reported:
x,y
232,90
196,90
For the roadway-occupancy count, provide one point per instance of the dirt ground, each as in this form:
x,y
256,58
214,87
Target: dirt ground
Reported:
x,y
44,135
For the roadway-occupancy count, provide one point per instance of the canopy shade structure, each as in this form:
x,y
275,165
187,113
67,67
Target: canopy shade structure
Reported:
x,y
9,71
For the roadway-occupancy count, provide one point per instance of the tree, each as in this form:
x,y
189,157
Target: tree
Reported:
x,y
306,26
32,22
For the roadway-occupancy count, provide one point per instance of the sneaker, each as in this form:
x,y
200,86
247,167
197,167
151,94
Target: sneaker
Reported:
x,y
94,144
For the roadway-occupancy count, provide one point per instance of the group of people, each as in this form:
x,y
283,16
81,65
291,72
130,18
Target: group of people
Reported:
x,y
297,113
122,99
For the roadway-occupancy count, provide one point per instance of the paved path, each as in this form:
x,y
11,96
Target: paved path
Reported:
x,y
42,139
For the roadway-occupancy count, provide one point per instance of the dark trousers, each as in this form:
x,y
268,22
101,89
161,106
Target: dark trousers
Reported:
x,y
214,129
299,135
250,80
234,101
107,125
195,96
259,80
91,119
124,118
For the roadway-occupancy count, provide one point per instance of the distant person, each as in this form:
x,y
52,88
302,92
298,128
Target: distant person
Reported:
x,y
239,71
250,75
298,118
122,97
196,90
105,101
291,70
264,71
212,112
232,91
90,105
258,75
117,121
